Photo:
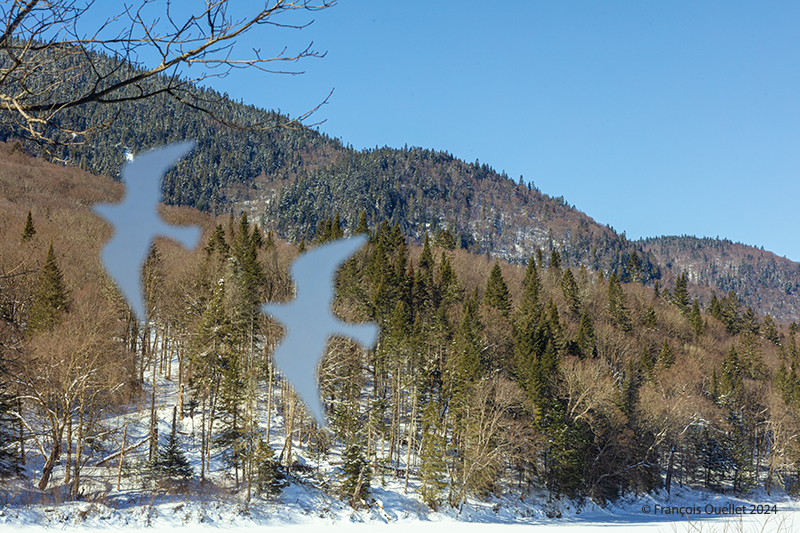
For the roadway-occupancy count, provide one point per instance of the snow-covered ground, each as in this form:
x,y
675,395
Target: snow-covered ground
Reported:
x,y
302,506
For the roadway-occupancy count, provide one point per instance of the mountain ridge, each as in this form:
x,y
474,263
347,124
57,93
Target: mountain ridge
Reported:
x,y
293,180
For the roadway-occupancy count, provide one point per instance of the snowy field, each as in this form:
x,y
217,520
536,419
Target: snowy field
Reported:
x,y
302,507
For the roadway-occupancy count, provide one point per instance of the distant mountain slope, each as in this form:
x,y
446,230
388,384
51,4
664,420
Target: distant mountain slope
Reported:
x,y
768,283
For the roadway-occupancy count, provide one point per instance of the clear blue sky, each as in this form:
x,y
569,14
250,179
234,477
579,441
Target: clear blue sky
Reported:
x,y
661,118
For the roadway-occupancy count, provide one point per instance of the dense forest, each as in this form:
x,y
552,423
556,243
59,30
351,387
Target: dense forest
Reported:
x,y
488,376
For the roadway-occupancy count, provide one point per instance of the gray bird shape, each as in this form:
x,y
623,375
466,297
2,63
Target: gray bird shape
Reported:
x,y
136,221
309,321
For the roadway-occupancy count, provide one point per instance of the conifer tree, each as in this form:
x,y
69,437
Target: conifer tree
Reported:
x,y
714,389
356,472
680,296
646,364
569,289
629,389
650,321
585,338
666,356
731,380
447,289
531,283
267,475
714,308
433,468
696,320
362,227
467,345
29,231
171,463
50,296
730,314
555,262
337,232
497,294
749,323
217,242
445,239
634,268
617,307
530,335
770,331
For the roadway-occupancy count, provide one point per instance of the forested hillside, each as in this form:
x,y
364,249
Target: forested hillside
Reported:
x,y
765,281
487,377
292,180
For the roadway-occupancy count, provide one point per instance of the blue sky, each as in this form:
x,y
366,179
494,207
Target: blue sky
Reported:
x,y
662,118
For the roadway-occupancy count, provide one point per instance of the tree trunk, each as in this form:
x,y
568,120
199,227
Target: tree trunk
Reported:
x,y
670,463
67,470
47,469
122,455
76,466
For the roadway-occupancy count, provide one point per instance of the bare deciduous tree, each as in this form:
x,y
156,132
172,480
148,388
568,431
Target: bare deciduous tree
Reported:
x,y
49,64
71,377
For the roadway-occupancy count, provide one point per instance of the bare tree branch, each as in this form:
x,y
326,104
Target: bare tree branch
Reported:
x,y
48,65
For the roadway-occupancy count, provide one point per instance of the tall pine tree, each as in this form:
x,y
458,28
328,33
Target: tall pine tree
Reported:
x,y
50,296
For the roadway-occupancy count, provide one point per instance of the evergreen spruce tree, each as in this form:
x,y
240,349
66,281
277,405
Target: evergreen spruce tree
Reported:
x,y
337,232
696,320
530,330
617,306
585,337
714,389
650,321
50,296
730,313
770,331
634,268
356,472
433,468
749,323
217,242
555,262
171,464
666,356
362,227
446,239
731,379
646,363
569,289
467,345
714,308
680,297
268,476
424,289
497,294
29,231
447,289
629,389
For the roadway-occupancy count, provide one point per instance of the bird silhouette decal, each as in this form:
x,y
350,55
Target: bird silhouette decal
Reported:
x,y
136,221
309,321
